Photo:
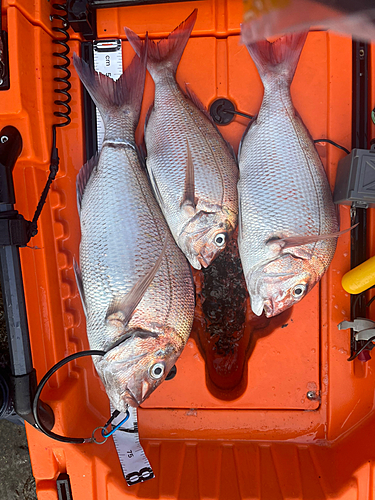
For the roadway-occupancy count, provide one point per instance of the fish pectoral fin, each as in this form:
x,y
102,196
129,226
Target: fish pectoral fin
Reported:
x,y
121,309
188,197
279,248
78,276
295,241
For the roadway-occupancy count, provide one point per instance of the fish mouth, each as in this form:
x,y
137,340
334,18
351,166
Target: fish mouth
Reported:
x,y
268,308
130,399
137,392
202,261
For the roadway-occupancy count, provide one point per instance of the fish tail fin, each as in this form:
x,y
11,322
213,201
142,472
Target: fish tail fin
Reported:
x,y
110,96
168,51
278,58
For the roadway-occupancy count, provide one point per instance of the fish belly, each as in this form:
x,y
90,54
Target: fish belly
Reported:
x,y
175,122
283,187
123,233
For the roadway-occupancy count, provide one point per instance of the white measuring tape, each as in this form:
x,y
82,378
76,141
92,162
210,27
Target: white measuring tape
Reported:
x,y
135,466
107,60
134,463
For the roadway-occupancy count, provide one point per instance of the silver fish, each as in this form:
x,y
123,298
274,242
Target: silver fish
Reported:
x,y
135,283
192,170
287,223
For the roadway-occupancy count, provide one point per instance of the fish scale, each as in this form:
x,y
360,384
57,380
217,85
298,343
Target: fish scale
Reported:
x,y
120,262
173,114
283,189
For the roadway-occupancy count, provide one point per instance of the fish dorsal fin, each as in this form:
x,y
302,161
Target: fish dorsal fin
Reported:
x,y
240,223
83,177
188,198
198,103
121,309
195,100
244,135
296,241
78,276
155,188
142,153
148,114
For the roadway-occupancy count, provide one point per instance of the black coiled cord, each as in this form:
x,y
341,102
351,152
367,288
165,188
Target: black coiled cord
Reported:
x,y
64,67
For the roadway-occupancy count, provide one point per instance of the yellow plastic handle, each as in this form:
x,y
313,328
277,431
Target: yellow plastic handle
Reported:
x,y
360,278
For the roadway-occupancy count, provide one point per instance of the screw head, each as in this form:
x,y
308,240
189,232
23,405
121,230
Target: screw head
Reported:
x,y
3,139
311,395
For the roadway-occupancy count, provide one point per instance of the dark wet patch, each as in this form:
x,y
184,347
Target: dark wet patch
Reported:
x,y
224,299
224,338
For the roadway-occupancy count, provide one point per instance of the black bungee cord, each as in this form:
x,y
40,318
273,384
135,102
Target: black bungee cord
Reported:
x,y
116,413
42,383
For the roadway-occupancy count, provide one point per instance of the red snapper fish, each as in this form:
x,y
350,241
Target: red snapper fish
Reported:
x,y
135,283
192,170
288,225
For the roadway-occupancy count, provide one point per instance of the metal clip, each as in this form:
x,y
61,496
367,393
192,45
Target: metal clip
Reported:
x,y
105,435
365,328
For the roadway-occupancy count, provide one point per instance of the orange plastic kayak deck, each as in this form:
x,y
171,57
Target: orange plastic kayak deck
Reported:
x,y
267,440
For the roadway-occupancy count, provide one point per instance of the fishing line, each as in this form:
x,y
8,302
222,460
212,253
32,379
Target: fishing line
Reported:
x,y
333,144
250,117
235,112
72,440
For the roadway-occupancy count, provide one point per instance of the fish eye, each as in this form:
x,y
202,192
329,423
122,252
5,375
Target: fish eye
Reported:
x,y
157,371
298,291
220,239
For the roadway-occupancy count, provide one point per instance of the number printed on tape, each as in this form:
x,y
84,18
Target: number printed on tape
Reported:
x,y
135,466
107,60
